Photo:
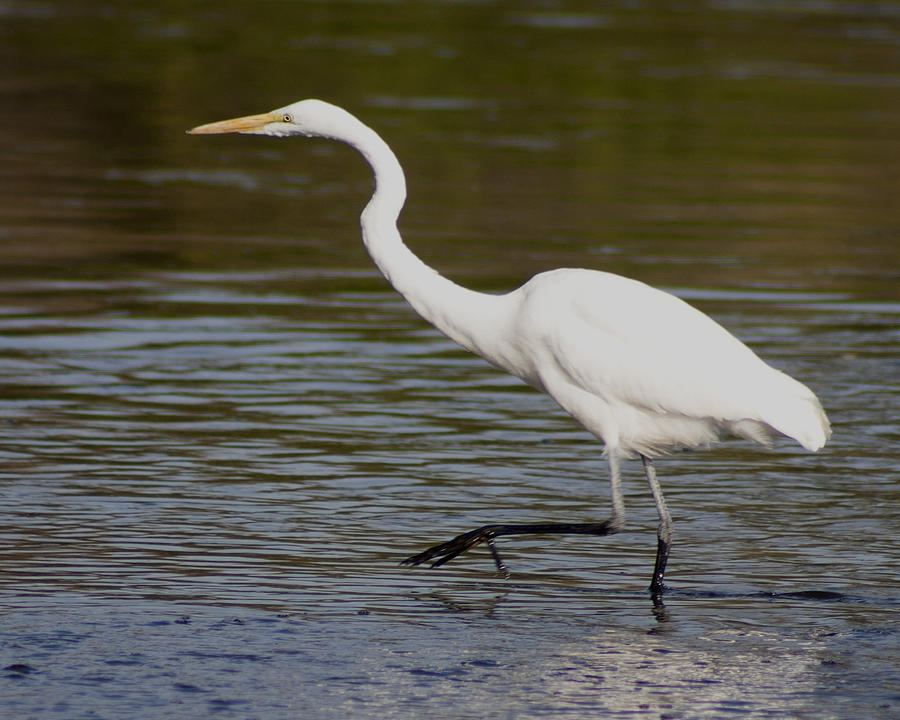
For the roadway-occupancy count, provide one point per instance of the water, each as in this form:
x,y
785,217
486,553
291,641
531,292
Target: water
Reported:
x,y
223,431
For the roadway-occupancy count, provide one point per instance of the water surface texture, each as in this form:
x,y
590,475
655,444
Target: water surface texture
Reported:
x,y
222,430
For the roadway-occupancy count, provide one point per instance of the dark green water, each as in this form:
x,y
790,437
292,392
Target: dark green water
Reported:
x,y
222,430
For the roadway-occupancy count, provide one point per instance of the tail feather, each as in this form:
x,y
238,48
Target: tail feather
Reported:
x,y
798,414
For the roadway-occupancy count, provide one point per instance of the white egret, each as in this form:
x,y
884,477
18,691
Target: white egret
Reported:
x,y
639,368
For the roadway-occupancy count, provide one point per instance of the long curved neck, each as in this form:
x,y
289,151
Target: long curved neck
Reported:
x,y
451,308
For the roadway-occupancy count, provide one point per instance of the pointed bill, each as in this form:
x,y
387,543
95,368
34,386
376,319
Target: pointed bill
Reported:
x,y
247,124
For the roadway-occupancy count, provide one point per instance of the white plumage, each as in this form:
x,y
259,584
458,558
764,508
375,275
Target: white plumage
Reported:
x,y
638,367
645,371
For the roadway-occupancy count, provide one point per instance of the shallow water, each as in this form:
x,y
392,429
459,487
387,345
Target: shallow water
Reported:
x,y
223,430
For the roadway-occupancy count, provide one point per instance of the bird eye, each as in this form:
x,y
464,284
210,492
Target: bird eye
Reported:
x,y
287,118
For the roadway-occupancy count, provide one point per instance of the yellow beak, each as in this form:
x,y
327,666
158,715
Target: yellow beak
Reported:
x,y
247,124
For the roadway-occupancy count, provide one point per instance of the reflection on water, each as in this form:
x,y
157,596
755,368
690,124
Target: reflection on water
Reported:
x,y
208,448
223,430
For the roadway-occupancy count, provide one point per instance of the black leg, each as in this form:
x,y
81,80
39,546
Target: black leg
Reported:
x,y
445,552
663,533
659,569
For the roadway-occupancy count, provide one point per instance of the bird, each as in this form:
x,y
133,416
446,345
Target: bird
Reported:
x,y
642,370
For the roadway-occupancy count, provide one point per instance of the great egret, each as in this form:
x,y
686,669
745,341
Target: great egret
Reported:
x,y
639,368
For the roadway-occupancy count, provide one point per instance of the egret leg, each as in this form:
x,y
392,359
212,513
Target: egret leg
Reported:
x,y
440,554
663,532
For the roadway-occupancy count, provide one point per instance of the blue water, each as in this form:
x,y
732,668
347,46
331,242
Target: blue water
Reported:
x,y
223,431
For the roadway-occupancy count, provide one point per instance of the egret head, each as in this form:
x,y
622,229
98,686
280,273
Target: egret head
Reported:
x,y
312,118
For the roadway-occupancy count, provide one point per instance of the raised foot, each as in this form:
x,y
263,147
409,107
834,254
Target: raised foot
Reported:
x,y
445,552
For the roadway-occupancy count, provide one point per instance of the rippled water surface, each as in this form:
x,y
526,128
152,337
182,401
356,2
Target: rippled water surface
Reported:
x,y
222,430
